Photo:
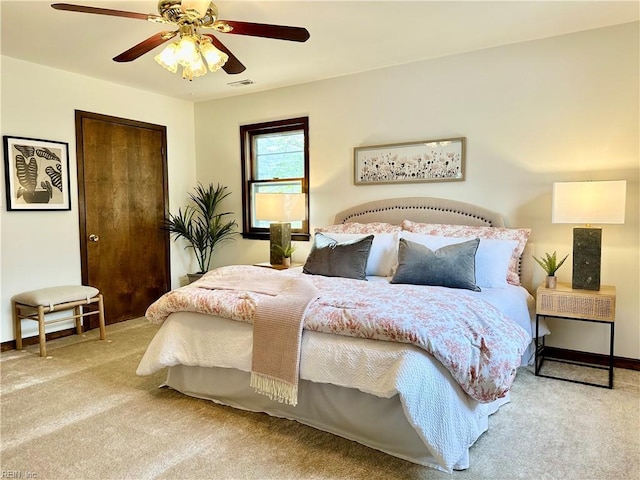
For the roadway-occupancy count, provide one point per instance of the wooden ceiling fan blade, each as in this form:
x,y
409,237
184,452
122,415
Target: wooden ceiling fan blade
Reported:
x,y
144,46
279,32
104,11
233,66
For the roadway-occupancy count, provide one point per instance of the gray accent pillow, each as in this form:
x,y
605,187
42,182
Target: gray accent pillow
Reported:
x,y
452,266
332,259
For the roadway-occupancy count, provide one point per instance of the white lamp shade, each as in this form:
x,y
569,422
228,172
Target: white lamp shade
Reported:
x,y
280,207
589,202
199,6
187,50
214,57
168,57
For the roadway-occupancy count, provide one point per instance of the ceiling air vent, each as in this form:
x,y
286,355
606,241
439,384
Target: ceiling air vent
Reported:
x,y
241,83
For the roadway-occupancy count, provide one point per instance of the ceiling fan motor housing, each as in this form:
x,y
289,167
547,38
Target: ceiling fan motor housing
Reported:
x,y
171,10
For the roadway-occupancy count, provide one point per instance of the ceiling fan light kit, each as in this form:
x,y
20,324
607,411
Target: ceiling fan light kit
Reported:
x,y
193,51
189,52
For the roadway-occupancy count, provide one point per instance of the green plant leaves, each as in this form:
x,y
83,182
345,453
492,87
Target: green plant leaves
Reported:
x,y
201,225
550,263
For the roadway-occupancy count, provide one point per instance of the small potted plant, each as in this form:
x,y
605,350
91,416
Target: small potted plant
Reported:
x,y
286,252
550,265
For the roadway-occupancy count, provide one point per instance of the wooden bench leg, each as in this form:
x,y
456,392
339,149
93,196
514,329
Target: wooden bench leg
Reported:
x,y
41,334
77,312
17,326
103,333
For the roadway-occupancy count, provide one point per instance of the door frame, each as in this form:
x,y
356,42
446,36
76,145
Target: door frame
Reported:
x,y
82,211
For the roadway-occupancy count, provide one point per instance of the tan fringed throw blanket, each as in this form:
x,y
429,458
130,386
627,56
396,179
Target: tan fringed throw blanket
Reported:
x,y
277,330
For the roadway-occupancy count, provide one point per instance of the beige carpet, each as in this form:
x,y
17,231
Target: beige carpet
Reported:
x,y
84,414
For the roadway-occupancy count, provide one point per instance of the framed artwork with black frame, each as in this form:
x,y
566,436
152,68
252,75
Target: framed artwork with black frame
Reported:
x,y
36,174
441,160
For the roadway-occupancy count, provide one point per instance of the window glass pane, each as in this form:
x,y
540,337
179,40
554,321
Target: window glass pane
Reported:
x,y
275,158
279,155
273,187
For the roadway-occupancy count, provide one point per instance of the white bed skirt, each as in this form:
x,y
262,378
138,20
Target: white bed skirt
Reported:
x,y
389,396
342,411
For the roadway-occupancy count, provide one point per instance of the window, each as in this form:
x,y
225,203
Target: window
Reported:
x,y
275,159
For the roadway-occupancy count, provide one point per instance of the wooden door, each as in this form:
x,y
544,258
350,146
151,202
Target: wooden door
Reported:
x,y
122,196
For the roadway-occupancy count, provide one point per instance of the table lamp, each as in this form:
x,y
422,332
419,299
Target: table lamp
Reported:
x,y
280,209
595,202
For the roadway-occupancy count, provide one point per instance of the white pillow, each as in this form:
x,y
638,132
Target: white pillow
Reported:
x,y
492,257
521,235
383,255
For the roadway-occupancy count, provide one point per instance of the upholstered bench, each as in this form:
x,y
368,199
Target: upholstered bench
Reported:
x,y
34,305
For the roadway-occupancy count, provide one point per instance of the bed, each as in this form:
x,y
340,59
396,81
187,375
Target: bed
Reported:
x,y
428,409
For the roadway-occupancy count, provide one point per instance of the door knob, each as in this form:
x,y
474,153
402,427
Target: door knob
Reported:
x,y
93,237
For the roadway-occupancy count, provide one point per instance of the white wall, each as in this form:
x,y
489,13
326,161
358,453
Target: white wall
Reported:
x,y
559,109
39,249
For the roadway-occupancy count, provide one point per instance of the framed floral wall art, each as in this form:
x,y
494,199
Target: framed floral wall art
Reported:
x,y
439,160
36,174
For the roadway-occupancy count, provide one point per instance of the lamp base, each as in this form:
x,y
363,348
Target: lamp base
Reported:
x,y
279,238
587,244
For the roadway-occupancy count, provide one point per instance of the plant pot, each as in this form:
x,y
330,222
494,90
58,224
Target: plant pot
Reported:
x,y
286,261
551,282
194,276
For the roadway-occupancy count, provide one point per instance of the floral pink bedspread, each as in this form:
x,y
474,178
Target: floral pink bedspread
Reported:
x,y
475,342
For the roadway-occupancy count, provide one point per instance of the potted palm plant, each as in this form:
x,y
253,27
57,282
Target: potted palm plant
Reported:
x,y
202,225
550,265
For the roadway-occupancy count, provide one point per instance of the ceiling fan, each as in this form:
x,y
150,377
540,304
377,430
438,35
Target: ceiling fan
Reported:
x,y
190,16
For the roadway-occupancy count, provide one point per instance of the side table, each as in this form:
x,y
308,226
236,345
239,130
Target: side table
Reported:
x,y
276,267
564,302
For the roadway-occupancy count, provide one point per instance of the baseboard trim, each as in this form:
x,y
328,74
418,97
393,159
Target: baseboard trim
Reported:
x,y
595,358
11,344
560,353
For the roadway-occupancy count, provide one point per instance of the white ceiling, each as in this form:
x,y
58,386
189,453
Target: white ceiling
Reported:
x,y
346,37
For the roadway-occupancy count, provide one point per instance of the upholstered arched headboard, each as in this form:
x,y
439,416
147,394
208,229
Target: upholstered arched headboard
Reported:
x,y
434,210
421,209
